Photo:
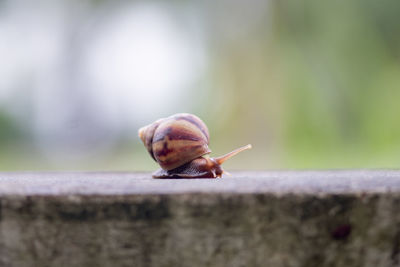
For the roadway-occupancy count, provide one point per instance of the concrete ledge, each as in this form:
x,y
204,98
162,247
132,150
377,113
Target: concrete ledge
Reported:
x,y
279,218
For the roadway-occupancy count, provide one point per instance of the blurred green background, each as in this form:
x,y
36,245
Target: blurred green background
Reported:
x,y
310,84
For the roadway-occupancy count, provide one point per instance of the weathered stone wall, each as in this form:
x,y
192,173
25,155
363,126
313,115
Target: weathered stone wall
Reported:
x,y
251,219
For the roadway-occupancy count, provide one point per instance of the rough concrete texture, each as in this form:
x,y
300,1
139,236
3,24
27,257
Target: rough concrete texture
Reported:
x,y
279,218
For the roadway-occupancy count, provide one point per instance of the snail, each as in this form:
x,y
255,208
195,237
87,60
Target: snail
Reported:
x,y
179,144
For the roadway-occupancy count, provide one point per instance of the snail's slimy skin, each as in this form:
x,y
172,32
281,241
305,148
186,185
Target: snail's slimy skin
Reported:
x,y
197,168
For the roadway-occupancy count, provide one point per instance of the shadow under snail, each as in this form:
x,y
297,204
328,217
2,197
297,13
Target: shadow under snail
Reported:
x,y
179,144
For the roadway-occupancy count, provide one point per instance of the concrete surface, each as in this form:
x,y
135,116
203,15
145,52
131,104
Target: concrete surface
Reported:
x,y
275,218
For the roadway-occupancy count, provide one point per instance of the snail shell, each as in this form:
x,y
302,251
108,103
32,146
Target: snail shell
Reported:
x,y
176,140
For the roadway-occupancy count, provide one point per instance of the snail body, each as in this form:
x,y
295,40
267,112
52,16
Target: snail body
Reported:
x,y
179,144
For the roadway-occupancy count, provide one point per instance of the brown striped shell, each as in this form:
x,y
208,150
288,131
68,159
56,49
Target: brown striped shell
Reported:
x,y
176,140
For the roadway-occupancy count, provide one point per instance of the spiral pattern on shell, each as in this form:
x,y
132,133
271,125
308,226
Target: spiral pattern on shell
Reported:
x,y
176,140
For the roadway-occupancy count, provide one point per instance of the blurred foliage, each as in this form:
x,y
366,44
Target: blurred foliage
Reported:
x,y
311,84
10,133
343,62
